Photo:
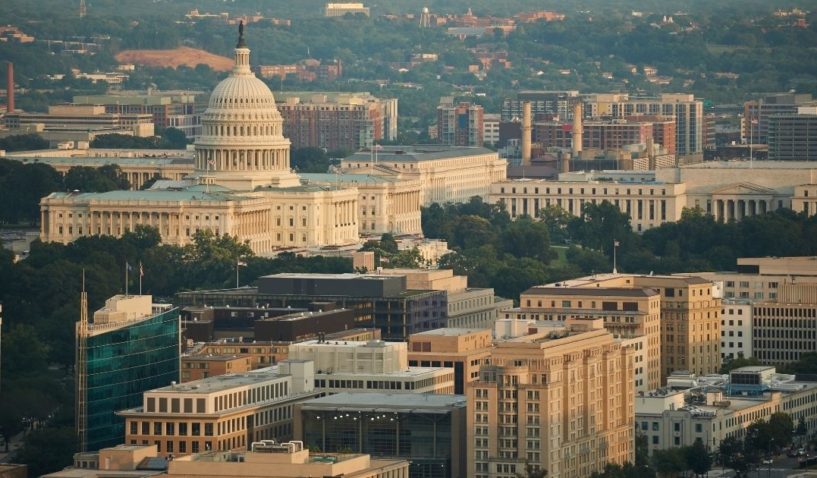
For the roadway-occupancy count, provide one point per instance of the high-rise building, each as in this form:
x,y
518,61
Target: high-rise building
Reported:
x,y
544,105
757,113
688,113
784,329
628,313
793,136
128,349
428,430
560,400
337,120
460,124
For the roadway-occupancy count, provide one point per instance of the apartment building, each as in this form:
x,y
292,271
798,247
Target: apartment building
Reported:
x,y
736,329
227,412
560,400
690,317
628,313
461,124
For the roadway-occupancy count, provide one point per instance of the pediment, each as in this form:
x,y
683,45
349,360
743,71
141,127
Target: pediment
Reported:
x,y
743,189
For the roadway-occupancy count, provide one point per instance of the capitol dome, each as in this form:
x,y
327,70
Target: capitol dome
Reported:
x,y
242,144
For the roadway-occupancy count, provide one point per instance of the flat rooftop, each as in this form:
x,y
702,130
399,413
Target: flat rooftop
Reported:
x,y
368,401
451,332
419,153
213,358
774,165
595,292
325,276
222,382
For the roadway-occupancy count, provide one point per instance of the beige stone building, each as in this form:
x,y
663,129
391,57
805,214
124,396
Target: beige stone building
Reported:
x,y
628,313
690,317
728,191
464,350
446,173
197,367
242,185
559,400
269,460
369,366
785,328
385,204
759,279
227,412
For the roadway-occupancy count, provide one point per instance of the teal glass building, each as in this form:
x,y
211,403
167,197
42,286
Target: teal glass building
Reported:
x,y
122,359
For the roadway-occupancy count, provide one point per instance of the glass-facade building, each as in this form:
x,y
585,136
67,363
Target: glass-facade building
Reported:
x,y
122,363
428,430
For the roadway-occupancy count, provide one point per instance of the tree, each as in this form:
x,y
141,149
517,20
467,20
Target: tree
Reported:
x,y
22,345
698,459
309,160
47,450
23,142
732,452
173,138
526,238
556,219
532,471
669,462
732,364
99,180
11,415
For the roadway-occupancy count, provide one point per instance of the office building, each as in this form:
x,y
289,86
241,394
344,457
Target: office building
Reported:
x,y
736,329
468,307
793,136
197,367
80,123
446,173
559,400
628,313
129,348
226,412
269,459
758,279
785,328
170,109
243,188
427,430
758,113
337,121
463,350
379,301
342,9
460,124
729,191
610,135
718,407
369,366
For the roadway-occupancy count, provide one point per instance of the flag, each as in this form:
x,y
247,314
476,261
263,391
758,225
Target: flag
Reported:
x,y
616,243
141,270
241,263
128,266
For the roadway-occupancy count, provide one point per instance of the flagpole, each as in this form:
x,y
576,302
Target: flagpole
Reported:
x,y
237,268
126,278
140,277
615,246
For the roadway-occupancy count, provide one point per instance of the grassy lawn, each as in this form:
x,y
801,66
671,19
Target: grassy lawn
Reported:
x,y
561,258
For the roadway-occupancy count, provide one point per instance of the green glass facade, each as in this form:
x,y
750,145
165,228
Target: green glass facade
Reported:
x,y
122,364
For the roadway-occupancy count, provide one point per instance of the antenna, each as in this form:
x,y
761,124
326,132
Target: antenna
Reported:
x,y
81,369
83,10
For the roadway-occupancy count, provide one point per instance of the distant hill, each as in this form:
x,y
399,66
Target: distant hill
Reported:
x,y
181,56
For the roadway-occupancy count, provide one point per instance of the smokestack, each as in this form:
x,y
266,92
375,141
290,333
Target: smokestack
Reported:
x,y
565,162
578,130
527,127
10,86
650,153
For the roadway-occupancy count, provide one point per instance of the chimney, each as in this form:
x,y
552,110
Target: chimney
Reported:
x,y
10,86
578,130
526,133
